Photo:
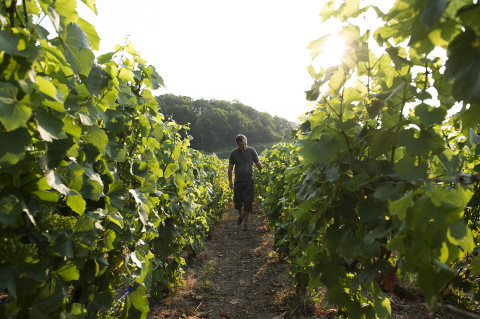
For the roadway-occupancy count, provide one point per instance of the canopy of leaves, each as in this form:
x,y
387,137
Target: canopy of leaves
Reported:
x,y
378,181
98,193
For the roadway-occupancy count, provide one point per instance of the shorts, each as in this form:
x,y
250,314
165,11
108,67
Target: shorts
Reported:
x,y
243,195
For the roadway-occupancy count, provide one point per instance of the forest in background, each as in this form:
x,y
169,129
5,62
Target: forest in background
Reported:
x,y
214,123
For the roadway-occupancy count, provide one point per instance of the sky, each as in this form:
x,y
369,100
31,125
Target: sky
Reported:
x,y
253,51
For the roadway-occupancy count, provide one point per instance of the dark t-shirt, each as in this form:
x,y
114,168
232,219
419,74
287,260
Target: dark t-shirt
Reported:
x,y
243,162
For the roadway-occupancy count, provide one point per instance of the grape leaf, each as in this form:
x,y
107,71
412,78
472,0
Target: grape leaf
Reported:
x,y
97,81
13,114
10,209
68,272
12,146
77,49
50,127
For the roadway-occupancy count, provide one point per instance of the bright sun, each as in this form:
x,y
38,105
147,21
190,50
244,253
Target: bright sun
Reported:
x,y
332,51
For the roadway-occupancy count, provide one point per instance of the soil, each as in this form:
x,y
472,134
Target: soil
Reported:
x,y
238,275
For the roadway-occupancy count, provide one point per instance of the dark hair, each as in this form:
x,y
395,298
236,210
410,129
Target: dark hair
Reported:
x,y
240,137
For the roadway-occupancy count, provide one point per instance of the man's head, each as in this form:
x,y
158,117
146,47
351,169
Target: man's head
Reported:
x,y
241,142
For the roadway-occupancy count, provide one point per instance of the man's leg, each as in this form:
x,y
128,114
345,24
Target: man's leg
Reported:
x,y
245,217
238,200
247,204
241,216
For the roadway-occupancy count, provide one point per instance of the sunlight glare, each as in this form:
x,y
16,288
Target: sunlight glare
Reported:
x,y
332,52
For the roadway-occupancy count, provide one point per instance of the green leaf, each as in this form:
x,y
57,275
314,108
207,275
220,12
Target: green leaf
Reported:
x,y
8,275
388,192
97,81
10,209
459,234
104,58
407,169
156,79
76,37
433,12
137,303
475,266
77,311
462,65
470,117
430,115
96,137
400,207
318,46
170,169
371,209
80,59
76,202
117,219
77,49
71,175
50,127
68,272
126,75
378,232
357,181
91,34
57,150
10,44
46,87
382,143
92,187
327,10
180,181
432,278
56,182
116,152
117,194
12,113
46,196
382,307
12,146
140,197
450,160
332,173
84,224
323,151
427,141
456,198
473,139
351,8
91,5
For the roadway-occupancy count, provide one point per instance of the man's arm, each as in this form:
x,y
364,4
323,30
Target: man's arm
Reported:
x,y
259,165
230,175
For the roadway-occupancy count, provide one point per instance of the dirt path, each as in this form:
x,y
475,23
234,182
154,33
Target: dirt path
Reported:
x,y
237,275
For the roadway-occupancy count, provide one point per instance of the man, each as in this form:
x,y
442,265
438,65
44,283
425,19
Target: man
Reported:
x,y
242,158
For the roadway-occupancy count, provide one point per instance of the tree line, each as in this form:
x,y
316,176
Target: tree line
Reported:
x,y
214,123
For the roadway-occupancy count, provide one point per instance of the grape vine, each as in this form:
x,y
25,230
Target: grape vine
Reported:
x,y
378,180
98,193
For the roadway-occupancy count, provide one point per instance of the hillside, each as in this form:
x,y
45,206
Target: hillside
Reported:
x,y
214,124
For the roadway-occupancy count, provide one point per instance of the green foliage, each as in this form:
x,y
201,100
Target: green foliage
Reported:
x,y
214,124
377,182
97,191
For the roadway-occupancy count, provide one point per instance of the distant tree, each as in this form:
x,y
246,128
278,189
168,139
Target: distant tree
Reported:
x,y
210,130
178,108
214,123
200,106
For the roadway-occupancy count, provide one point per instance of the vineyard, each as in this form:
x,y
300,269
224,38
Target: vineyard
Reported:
x,y
100,196
381,181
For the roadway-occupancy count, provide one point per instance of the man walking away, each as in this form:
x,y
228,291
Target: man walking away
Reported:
x,y
242,158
